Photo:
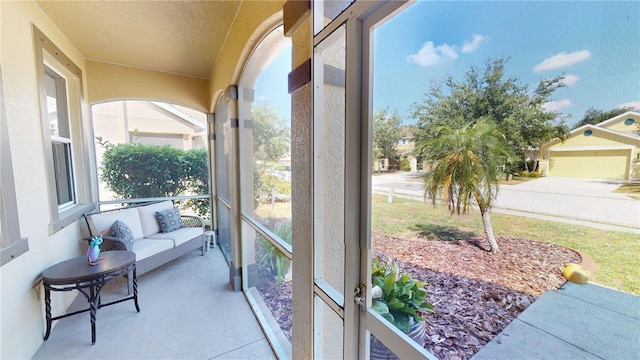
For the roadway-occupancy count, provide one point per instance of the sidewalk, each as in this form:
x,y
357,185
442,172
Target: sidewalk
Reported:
x,y
576,322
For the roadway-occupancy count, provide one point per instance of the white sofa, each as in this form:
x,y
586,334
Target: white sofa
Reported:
x,y
152,247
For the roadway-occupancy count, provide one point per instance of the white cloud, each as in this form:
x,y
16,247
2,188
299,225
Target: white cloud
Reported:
x,y
431,55
558,105
569,80
471,46
561,60
262,98
633,104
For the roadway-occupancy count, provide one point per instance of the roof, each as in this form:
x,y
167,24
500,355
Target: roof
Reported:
x,y
602,126
618,118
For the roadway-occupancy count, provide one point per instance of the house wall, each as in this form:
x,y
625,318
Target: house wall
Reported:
x,y
622,127
598,138
22,310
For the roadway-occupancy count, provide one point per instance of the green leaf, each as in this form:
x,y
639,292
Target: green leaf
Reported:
x,y
389,318
389,283
402,323
380,307
395,304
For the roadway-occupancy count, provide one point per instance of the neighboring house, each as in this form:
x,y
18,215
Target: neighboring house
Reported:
x,y
405,144
146,122
608,150
150,122
405,147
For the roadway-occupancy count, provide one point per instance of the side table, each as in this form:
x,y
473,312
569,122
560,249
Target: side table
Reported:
x,y
210,236
77,274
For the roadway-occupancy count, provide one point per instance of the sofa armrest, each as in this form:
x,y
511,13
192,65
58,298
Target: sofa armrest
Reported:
x,y
192,221
114,243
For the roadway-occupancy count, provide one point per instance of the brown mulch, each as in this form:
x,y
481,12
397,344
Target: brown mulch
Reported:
x,y
476,294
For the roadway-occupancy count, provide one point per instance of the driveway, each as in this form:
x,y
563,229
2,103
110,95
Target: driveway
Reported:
x,y
589,202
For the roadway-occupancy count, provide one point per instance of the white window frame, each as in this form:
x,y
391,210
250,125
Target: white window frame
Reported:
x,y
11,244
50,59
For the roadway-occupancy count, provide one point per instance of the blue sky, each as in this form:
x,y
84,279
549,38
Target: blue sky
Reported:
x,y
271,86
595,45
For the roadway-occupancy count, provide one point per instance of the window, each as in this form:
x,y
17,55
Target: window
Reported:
x,y
11,245
60,137
62,128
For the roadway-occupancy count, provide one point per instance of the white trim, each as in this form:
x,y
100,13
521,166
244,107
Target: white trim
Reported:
x,y
618,118
397,341
190,121
592,148
11,244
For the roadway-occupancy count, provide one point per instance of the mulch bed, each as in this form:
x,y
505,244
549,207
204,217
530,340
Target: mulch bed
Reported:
x,y
476,294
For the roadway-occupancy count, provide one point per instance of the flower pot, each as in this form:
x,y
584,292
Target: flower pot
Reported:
x,y
379,351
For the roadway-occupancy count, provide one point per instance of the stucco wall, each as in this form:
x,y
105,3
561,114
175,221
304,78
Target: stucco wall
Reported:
x,y
114,82
254,21
22,309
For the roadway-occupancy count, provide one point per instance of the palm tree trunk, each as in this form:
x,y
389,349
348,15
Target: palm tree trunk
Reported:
x,y
488,230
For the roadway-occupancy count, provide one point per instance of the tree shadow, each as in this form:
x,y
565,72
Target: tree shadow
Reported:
x,y
441,232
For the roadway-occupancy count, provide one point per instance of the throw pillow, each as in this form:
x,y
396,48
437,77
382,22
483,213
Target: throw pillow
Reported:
x,y
169,220
122,231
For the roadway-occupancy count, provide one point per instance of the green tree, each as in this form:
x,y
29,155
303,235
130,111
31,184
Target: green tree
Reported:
x,y
386,132
594,116
271,141
520,115
271,135
465,164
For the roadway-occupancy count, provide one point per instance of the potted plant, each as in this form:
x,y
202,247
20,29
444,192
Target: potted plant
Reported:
x,y
400,299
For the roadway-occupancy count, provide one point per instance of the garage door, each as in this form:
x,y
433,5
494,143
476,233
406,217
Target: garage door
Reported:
x,y
597,164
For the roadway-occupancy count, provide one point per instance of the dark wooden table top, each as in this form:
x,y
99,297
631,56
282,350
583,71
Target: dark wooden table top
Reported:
x,y
78,269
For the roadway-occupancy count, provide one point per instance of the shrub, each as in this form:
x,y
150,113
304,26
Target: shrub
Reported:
x,y
529,174
146,171
269,258
405,165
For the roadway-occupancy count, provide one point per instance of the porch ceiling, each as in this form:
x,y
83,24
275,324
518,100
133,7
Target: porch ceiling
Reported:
x,y
180,37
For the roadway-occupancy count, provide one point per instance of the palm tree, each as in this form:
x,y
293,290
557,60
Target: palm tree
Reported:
x,y
465,164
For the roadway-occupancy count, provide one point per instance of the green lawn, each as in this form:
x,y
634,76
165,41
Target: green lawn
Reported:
x,y
616,253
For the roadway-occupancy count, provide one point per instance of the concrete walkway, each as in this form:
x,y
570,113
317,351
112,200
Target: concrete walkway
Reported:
x,y
576,322
187,311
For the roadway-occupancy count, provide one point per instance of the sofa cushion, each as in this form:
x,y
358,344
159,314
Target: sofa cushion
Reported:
x,y
148,216
147,247
169,220
102,222
179,236
121,230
